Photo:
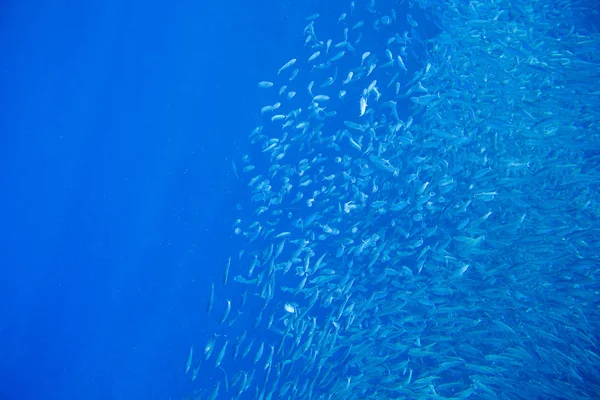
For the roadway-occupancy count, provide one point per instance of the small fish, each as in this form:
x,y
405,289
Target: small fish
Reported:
x,y
196,370
348,78
355,145
364,57
294,74
188,364
211,298
226,274
320,98
248,348
226,313
358,25
265,84
314,56
209,347
270,358
221,354
338,56
289,308
286,65
259,353
243,385
363,106
215,392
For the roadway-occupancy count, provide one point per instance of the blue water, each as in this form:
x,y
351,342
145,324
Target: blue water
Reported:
x,y
118,127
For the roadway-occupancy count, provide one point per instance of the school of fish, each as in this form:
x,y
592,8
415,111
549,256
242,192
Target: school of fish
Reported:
x,y
422,213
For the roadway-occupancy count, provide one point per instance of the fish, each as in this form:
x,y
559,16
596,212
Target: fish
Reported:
x,y
209,347
196,370
265,84
211,298
188,364
363,106
226,274
226,313
447,228
221,355
321,98
259,352
286,65
215,391
289,308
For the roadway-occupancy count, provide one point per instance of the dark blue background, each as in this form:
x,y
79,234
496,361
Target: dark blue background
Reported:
x,y
119,123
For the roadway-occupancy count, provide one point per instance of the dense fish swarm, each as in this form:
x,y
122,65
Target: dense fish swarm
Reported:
x,y
422,222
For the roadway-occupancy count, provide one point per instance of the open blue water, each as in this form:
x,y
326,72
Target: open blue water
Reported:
x,y
118,126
